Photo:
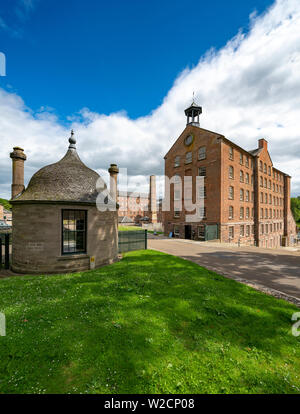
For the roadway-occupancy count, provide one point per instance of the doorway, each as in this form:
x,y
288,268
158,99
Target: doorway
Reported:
x,y
188,231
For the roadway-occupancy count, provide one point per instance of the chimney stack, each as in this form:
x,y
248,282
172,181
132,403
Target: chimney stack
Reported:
x,y
113,172
18,157
262,143
153,212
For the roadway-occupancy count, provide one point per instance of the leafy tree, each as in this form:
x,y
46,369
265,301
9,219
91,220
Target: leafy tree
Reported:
x,y
5,203
295,206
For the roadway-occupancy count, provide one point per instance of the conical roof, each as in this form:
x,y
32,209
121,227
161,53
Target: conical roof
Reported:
x,y
67,180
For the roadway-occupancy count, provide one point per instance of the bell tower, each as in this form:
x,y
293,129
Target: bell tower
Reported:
x,y
193,113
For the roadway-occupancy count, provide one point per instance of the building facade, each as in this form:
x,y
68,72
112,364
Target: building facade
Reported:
x,y
245,198
59,223
136,207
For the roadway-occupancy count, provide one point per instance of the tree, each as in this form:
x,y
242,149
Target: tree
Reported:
x,y
295,206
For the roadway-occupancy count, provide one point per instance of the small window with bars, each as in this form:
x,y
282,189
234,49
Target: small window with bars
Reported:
x,y
74,224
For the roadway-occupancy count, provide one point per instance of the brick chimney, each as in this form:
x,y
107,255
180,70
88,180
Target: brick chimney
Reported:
x,y
262,143
113,172
18,157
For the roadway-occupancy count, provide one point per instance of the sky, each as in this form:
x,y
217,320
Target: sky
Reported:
x,y
120,74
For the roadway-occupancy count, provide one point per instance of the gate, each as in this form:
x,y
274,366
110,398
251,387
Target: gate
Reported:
x,y
211,232
4,249
132,240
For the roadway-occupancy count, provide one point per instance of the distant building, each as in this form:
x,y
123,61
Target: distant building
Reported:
x,y
245,197
138,207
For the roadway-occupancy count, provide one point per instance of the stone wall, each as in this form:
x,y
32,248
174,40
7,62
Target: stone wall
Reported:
x,y
37,239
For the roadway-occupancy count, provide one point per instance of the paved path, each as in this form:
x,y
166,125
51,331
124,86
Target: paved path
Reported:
x,y
275,269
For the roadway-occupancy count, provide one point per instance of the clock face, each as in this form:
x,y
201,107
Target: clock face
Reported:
x,y
189,140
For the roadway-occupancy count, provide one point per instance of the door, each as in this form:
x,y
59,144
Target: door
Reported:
x,y
188,231
211,232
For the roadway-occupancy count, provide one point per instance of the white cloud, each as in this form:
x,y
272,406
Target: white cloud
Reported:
x,y
249,89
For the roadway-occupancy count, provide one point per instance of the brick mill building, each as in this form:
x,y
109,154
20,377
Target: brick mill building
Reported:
x,y
245,198
59,223
135,207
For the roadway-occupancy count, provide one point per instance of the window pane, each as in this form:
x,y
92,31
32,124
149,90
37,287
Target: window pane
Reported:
x,y
73,231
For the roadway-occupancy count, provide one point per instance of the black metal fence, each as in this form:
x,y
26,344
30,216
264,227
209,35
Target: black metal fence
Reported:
x,y
132,240
4,250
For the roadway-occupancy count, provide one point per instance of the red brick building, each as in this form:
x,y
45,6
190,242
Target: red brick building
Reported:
x,y
245,198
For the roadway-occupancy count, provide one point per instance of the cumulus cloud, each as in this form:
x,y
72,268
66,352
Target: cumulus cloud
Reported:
x,y
249,89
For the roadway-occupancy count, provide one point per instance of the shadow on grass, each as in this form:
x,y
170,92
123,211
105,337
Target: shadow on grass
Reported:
x,y
150,323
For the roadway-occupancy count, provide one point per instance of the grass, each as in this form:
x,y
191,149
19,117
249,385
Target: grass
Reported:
x,y
135,228
151,323
130,228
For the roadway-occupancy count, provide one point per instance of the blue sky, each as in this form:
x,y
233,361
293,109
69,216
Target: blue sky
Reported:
x,y
110,56
121,74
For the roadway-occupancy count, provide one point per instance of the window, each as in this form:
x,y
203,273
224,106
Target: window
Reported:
x,y
202,153
241,212
247,195
247,212
176,212
247,178
266,198
267,228
265,182
188,157
266,213
177,195
247,230
201,192
262,213
270,185
202,212
201,232
177,161
230,216
176,230
231,193
231,172
265,168
241,159
262,229
269,170
261,197
261,181
231,232
242,231
230,153
202,171
241,194
177,178
241,176
260,166
74,231
247,162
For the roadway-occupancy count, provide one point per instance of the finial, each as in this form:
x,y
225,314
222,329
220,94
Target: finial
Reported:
x,y
72,140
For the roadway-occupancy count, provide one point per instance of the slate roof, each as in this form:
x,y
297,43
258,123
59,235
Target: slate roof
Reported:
x,y
67,180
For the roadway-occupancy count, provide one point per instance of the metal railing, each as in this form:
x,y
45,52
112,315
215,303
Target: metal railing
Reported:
x,y
132,240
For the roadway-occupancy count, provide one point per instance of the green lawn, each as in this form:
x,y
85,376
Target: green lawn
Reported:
x,y
151,323
130,228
